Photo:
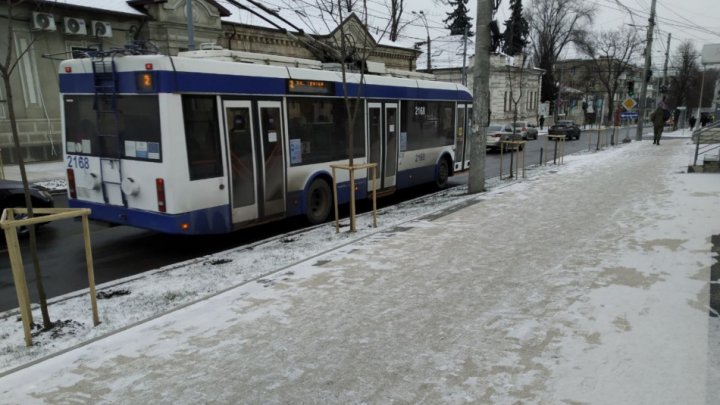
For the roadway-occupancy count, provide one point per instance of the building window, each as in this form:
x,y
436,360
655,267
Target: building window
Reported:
x,y
28,71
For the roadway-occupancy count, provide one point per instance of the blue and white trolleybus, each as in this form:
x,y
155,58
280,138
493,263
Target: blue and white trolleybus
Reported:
x,y
190,145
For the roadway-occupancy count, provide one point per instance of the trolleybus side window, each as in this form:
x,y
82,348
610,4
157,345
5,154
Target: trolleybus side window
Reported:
x,y
129,129
202,137
428,124
318,131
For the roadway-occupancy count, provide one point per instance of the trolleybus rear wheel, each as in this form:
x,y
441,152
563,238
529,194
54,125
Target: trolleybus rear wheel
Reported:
x,y
319,201
443,172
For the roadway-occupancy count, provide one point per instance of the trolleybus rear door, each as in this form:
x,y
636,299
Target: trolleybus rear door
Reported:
x,y
382,131
271,133
243,172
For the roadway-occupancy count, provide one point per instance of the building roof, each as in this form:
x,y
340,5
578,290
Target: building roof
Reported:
x,y
301,14
291,15
110,6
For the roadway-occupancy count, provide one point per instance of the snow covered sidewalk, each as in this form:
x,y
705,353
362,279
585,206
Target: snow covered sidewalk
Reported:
x,y
588,285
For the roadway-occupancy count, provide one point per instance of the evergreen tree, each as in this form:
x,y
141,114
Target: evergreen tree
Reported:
x,y
517,30
458,19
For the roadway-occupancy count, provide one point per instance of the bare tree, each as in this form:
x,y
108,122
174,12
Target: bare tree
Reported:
x,y
8,64
610,52
396,11
352,49
516,81
553,25
686,70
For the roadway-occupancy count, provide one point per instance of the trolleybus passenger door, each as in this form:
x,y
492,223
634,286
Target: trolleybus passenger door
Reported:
x,y
382,131
460,137
468,126
391,145
271,145
241,149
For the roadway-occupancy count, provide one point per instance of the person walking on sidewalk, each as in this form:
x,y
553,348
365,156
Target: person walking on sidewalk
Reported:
x,y
692,121
542,121
658,120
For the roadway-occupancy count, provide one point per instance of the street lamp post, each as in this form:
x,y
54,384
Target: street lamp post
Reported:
x,y
421,15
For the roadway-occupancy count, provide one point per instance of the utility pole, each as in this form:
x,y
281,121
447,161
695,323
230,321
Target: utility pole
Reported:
x,y
667,56
648,55
421,15
481,97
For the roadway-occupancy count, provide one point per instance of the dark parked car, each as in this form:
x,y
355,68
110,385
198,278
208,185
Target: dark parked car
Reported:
x,y
567,128
12,196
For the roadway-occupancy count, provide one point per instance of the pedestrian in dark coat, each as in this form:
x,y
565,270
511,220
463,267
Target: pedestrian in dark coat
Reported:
x,y
658,120
703,120
542,121
692,122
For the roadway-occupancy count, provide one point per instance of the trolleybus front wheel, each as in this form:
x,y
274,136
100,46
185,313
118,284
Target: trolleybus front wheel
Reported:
x,y
319,202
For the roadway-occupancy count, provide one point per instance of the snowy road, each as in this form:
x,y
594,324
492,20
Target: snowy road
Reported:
x,y
595,294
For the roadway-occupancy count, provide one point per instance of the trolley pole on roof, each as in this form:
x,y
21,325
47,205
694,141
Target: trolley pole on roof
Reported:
x,y
643,90
191,34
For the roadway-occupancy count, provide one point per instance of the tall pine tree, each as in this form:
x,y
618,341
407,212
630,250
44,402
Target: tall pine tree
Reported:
x,y
459,19
517,30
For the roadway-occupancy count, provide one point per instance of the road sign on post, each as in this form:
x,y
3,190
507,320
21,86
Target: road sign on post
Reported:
x,y
629,103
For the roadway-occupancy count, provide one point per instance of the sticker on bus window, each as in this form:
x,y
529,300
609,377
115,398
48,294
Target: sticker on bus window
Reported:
x,y
403,141
295,151
141,150
154,150
70,146
86,146
130,149
272,136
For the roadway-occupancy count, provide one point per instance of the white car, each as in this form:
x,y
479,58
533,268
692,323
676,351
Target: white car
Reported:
x,y
526,129
500,132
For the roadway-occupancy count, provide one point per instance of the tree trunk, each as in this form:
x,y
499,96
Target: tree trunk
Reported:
x,y
28,203
481,97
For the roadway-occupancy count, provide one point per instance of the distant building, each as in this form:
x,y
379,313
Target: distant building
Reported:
x,y
511,84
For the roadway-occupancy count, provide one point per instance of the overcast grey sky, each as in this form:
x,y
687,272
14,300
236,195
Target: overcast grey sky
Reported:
x,y
694,20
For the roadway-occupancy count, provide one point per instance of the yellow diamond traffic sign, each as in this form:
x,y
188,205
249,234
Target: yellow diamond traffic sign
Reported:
x,y
629,103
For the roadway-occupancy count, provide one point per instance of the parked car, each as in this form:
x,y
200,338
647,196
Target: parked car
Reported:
x,y
500,132
567,128
12,196
526,129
